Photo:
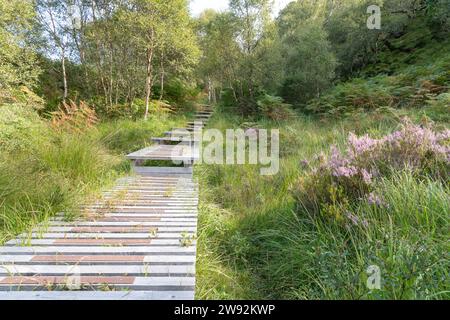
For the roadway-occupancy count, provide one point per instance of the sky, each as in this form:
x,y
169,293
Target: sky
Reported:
x,y
197,6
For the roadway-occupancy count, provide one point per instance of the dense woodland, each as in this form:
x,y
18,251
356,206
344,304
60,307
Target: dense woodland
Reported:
x,y
120,55
364,118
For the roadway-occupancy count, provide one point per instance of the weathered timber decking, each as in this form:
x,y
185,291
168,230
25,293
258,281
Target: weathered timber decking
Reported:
x,y
185,149
137,242
183,153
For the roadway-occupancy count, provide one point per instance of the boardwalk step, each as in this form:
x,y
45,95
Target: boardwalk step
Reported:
x,y
174,140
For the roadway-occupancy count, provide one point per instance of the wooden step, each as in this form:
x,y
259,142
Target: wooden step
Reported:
x,y
174,139
187,128
178,133
164,152
209,113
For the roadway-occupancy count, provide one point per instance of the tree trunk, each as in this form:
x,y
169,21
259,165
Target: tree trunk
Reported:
x,y
99,59
209,90
163,74
63,64
59,42
148,82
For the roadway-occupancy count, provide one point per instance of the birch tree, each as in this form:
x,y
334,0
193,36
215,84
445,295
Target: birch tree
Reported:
x,y
55,21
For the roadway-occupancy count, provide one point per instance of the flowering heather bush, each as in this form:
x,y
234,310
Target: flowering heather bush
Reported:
x,y
349,176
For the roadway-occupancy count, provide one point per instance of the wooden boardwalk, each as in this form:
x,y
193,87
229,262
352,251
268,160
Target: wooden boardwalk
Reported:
x,y
137,242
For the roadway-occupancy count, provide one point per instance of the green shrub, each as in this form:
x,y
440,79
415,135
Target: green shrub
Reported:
x,y
359,95
274,108
439,107
178,92
227,99
136,109
20,128
398,80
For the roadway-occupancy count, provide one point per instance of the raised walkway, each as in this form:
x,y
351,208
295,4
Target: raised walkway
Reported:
x,y
138,242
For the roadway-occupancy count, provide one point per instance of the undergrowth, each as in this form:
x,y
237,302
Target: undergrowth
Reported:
x,y
47,169
257,242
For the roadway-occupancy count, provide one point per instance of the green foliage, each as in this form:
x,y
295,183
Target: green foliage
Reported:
x,y
135,110
18,61
50,83
313,43
438,15
438,107
406,80
103,64
353,44
337,182
274,108
179,92
43,172
358,95
124,136
308,61
20,128
313,259
240,52
220,52
255,243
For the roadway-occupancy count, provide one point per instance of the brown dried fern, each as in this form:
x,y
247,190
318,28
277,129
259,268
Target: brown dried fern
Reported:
x,y
73,117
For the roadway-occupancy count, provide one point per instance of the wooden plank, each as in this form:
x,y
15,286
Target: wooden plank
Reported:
x,y
167,217
149,196
151,170
10,269
132,237
115,282
135,209
98,295
166,226
166,259
167,192
189,128
156,214
161,152
73,259
175,139
98,249
104,235
162,215
152,184
117,241
123,224
142,202
160,227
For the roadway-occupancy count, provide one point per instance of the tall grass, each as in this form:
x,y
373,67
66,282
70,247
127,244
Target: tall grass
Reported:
x,y
44,172
52,176
125,136
255,242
